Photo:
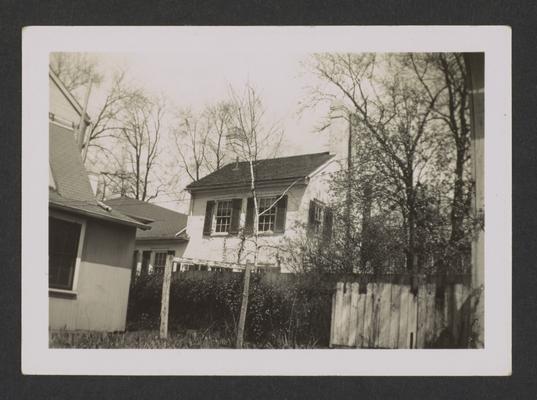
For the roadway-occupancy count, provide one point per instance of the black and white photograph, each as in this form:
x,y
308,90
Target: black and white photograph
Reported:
x,y
208,193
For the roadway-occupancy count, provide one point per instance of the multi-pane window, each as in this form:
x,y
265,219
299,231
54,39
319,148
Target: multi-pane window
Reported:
x,y
223,216
317,216
62,252
160,259
268,217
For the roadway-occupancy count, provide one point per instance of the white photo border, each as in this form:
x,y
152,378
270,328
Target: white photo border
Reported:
x,y
494,359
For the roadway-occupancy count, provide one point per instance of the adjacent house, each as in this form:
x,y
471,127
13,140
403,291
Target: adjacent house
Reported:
x,y
90,244
292,193
167,234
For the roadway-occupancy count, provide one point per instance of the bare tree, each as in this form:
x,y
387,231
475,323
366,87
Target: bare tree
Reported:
x,y
452,108
191,137
248,138
75,69
219,116
393,116
139,138
106,118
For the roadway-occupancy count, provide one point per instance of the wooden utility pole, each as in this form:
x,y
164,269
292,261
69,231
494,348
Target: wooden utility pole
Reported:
x,y
348,223
165,301
244,307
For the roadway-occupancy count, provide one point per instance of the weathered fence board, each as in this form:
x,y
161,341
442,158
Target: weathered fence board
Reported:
x,y
390,315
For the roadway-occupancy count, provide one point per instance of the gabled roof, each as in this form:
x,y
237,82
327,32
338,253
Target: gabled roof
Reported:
x,y
165,223
266,171
72,190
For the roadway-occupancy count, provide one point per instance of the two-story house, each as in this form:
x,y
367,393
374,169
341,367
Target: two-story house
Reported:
x,y
293,198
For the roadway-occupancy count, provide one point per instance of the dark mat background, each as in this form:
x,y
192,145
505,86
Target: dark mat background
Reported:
x,y
521,16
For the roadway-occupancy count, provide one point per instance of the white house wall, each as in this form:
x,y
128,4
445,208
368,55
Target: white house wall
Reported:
x,y
226,247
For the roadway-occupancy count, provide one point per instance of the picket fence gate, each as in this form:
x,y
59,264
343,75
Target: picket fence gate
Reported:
x,y
389,315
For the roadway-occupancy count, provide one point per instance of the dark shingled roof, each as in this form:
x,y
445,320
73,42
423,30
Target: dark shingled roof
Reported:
x,y
270,169
73,190
165,223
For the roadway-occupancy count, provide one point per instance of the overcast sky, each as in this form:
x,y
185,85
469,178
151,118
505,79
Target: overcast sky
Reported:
x,y
197,78
193,79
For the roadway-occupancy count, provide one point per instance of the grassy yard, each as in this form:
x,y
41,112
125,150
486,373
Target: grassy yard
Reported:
x,y
189,339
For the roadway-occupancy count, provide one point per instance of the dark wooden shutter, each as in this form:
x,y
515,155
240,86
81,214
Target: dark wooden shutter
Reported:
x,y
249,224
311,216
327,223
208,224
235,216
281,215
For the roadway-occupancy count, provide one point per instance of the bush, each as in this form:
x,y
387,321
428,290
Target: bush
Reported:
x,y
283,309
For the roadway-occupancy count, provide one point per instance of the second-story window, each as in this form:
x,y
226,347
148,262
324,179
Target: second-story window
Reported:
x,y
268,217
317,217
320,219
223,216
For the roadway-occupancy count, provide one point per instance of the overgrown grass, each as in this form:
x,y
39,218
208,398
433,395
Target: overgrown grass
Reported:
x,y
149,339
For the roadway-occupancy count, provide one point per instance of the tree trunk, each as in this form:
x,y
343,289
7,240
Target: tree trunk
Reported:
x,y
457,208
246,285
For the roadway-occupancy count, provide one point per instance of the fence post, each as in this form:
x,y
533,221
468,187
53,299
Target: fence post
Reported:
x,y
244,307
165,301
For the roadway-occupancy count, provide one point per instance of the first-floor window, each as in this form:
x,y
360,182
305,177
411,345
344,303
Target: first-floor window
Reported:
x,y
62,252
268,219
160,259
223,216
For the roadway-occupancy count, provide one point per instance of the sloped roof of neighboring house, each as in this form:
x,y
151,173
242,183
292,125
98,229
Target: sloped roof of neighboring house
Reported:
x,y
266,170
165,223
72,190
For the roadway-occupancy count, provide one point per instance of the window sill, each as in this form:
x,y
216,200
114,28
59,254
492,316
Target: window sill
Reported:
x,y
62,293
219,234
270,233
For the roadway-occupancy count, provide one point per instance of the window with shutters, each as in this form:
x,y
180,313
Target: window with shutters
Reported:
x,y
223,214
160,259
267,217
320,219
317,220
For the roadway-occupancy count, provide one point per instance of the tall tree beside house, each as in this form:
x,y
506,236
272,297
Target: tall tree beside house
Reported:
x,y
119,96
138,136
453,110
248,138
220,116
200,139
191,136
401,140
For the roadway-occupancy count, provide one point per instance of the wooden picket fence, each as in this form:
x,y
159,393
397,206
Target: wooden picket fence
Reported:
x,y
388,313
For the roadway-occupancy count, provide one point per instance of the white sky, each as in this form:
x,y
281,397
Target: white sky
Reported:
x,y
196,78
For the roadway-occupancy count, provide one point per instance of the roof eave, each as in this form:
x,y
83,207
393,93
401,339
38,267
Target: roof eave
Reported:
x,y
109,218
171,238
242,185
